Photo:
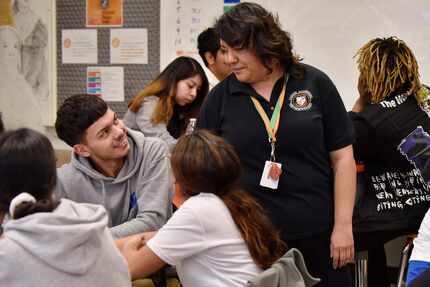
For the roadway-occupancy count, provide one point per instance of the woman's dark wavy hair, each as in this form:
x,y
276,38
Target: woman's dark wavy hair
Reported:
x,y
27,164
250,26
203,162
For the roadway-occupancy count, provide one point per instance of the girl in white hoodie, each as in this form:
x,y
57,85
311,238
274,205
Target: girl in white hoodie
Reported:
x,y
46,242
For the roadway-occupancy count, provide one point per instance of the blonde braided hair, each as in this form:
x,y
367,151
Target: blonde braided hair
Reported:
x,y
388,65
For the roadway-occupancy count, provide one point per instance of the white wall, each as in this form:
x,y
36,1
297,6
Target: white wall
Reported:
x,y
327,34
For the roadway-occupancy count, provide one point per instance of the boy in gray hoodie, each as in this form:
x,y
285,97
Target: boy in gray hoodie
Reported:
x,y
121,169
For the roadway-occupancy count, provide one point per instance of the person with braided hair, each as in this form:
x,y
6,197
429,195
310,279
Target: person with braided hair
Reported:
x,y
392,103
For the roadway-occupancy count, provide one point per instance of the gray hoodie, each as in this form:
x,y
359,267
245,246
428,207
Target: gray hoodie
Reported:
x,y
138,199
141,121
70,246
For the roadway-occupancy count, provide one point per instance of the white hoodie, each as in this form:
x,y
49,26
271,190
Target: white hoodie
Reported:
x,y
70,246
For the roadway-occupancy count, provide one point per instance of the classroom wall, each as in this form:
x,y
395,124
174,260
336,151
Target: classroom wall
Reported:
x,y
17,100
72,78
27,56
326,34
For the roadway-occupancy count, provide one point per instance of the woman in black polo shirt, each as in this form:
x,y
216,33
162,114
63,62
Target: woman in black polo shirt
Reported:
x,y
299,163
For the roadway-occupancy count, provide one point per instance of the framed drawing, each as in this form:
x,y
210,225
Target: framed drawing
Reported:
x,y
27,37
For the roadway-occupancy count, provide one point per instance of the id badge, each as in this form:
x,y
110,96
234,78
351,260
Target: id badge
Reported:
x,y
271,174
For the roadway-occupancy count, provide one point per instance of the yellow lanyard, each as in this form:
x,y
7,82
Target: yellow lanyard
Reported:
x,y
272,125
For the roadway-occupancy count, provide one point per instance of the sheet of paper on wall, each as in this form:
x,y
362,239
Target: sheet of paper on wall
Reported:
x,y
104,13
79,46
106,82
129,46
181,21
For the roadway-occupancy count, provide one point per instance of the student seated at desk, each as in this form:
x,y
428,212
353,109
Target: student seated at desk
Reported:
x,y
219,236
48,242
164,107
127,173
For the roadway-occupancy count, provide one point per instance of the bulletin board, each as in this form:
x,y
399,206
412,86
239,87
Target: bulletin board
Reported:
x,y
72,78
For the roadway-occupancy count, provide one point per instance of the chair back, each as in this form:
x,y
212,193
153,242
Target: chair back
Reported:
x,y
288,271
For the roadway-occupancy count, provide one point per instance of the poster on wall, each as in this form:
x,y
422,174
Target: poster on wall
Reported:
x,y
129,46
79,46
106,82
27,59
104,13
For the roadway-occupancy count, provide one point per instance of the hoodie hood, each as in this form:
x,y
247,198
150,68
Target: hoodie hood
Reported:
x,y
68,239
131,164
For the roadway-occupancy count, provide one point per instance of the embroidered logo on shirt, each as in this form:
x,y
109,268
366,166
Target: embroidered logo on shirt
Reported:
x,y
301,100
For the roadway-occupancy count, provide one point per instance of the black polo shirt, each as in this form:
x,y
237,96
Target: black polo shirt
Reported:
x,y
313,122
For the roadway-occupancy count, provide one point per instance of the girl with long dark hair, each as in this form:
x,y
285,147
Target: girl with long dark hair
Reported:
x,y
220,235
163,108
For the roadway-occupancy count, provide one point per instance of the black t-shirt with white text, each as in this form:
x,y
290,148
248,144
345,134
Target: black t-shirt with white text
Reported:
x,y
396,194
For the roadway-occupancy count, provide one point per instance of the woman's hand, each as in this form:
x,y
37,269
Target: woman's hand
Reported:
x,y
342,241
148,235
140,259
133,244
342,246
143,237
